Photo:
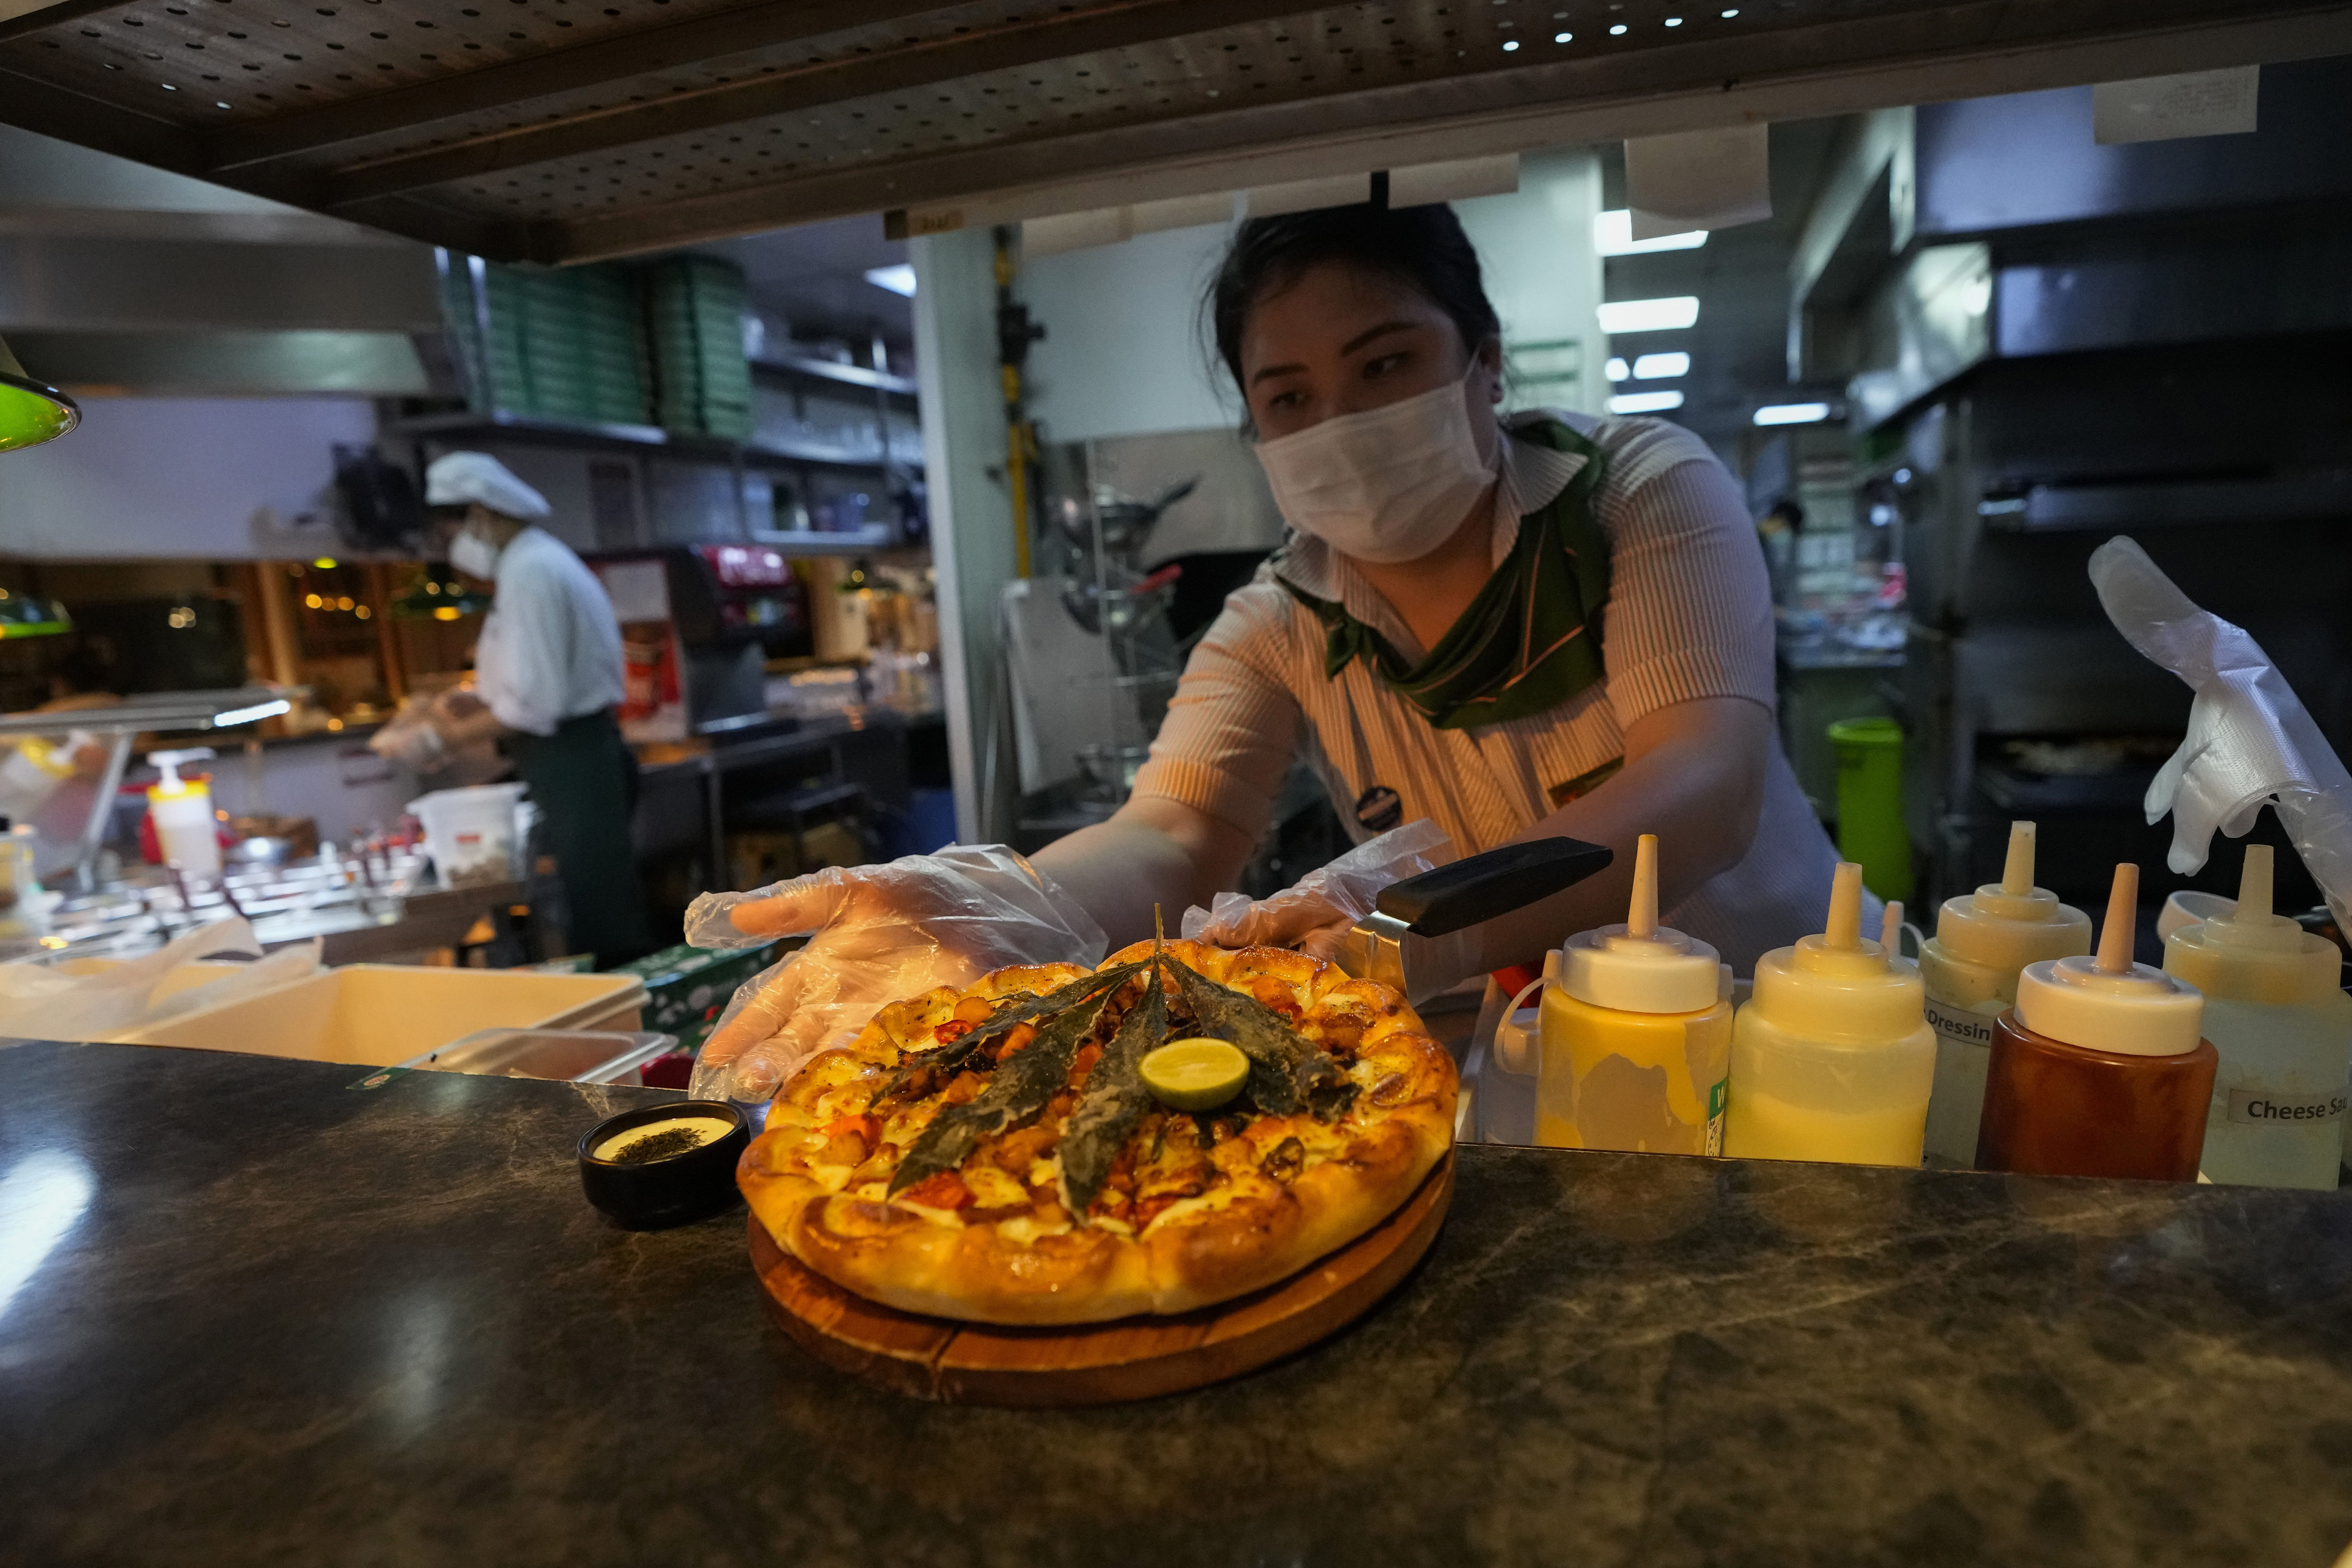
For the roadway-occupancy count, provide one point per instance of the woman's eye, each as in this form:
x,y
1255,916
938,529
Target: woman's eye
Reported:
x,y
1283,400
1383,364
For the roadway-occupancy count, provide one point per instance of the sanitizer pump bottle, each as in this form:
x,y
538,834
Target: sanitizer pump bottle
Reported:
x,y
1832,1059
2101,1069
183,810
1982,940
1635,1035
2276,1012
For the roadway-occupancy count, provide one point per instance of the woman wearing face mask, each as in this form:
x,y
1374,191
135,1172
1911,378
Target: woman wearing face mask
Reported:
x,y
548,672
1560,625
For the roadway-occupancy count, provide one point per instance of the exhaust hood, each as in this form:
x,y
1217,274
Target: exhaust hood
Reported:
x,y
119,279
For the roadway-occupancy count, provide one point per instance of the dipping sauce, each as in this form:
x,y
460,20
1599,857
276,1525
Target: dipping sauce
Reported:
x,y
662,1139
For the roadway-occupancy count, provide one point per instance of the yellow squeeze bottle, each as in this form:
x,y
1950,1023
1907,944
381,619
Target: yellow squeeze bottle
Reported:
x,y
2276,1010
1634,1035
1834,1058
1983,941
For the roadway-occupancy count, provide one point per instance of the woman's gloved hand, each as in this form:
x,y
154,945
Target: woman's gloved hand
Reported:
x,y
1317,912
878,934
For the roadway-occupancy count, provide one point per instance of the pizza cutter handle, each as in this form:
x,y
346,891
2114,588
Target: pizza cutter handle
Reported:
x,y
1494,882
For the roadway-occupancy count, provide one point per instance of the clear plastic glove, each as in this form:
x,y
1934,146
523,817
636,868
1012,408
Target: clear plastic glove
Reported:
x,y
410,740
880,933
1315,913
2251,742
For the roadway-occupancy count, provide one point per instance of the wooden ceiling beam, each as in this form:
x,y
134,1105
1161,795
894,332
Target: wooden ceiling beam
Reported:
x,y
305,134
1107,25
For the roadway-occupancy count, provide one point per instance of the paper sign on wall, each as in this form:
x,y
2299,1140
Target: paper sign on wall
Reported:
x,y
2162,107
1698,179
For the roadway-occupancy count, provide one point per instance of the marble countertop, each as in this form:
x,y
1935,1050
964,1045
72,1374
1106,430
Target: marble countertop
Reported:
x,y
249,1312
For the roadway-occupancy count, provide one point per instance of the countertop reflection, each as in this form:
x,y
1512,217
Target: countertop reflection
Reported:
x,y
249,1312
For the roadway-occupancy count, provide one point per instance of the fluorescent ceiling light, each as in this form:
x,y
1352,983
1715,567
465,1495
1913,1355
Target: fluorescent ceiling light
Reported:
x,y
1613,235
1792,414
899,279
1644,401
1650,315
1617,369
1661,367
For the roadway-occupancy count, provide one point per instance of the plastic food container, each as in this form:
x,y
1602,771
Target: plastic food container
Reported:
x,y
382,1014
474,834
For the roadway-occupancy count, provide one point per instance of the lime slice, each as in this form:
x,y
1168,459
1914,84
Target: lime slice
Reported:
x,y
1195,1075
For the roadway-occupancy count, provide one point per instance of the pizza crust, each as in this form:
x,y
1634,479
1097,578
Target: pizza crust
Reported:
x,y
1248,1230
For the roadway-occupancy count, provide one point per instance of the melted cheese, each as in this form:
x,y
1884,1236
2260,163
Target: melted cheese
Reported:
x,y
993,1188
1024,1229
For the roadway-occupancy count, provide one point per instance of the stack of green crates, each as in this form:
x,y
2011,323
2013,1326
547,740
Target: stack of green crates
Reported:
x,y
694,311
563,343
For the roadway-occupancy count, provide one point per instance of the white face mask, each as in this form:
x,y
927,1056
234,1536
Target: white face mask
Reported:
x,y
477,557
1387,485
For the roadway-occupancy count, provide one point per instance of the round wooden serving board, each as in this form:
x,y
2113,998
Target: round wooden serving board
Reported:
x,y
1103,1363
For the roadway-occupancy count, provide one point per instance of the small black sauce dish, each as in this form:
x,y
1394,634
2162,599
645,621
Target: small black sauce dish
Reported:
x,y
646,1187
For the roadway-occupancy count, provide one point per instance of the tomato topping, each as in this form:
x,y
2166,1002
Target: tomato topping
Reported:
x,y
944,1191
953,1030
868,1128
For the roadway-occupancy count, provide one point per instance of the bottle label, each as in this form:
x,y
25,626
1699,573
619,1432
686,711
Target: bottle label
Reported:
x,y
1714,1099
2259,1107
1963,1024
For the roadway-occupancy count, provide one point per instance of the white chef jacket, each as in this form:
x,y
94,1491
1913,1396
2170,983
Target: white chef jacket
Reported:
x,y
550,647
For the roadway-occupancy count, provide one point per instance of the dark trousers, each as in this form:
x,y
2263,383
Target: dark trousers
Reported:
x,y
583,779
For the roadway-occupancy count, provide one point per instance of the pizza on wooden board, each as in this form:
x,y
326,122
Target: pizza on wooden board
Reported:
x,y
1002,1154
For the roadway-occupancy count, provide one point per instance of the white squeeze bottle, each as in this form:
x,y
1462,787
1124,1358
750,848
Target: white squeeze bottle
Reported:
x,y
183,812
1635,1036
1832,1059
2276,1010
1983,941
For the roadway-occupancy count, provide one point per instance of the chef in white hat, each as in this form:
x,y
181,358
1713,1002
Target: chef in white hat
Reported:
x,y
549,672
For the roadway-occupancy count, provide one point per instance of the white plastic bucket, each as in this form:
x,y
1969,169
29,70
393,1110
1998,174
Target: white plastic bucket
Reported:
x,y
474,835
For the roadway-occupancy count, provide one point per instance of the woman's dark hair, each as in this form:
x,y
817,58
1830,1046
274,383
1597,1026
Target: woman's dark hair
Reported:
x,y
1423,247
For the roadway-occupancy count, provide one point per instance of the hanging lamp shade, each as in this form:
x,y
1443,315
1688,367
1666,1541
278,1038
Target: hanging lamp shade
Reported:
x,y
30,412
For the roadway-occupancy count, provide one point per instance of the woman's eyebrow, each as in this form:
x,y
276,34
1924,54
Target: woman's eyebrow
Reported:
x,y
1370,335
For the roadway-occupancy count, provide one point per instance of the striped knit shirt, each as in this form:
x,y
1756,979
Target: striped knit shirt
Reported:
x,y
1689,615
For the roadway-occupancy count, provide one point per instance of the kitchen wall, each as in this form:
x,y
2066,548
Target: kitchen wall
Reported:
x,y
1126,352
1123,352
209,478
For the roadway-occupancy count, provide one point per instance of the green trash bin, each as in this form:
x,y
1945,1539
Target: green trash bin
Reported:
x,y
1870,802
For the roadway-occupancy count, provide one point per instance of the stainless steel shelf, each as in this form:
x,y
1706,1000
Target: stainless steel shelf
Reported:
x,y
787,365
543,132
634,437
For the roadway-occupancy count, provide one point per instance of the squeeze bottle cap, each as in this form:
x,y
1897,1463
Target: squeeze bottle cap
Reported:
x,y
2108,1002
170,787
2007,924
1840,985
1641,966
2250,954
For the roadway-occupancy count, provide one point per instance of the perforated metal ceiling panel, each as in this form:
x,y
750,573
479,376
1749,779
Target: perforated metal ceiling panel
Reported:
x,y
555,130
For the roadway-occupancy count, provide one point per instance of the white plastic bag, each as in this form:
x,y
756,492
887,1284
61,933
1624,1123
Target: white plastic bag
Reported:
x,y
40,1002
880,933
2251,742
1317,912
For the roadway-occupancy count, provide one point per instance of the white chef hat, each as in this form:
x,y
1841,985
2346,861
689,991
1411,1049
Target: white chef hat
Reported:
x,y
464,477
